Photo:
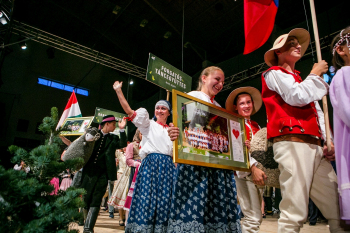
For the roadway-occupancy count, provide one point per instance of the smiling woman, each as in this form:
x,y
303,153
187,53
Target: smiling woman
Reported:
x,y
155,179
196,185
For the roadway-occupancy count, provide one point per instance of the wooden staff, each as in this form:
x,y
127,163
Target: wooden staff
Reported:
x,y
319,58
167,95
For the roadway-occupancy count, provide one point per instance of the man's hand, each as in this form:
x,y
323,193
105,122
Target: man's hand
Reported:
x,y
117,85
320,68
258,176
173,132
330,156
122,123
247,143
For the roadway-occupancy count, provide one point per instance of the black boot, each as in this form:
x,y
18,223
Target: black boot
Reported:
x,y
91,219
84,211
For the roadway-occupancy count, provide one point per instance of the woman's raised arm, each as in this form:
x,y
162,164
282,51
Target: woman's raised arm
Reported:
x,y
117,86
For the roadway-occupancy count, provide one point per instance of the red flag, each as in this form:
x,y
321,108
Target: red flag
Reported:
x,y
259,19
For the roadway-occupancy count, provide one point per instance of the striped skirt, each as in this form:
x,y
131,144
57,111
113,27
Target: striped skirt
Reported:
x,y
150,207
120,191
131,190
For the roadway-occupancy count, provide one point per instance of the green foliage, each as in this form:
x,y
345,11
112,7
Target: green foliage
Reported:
x,y
25,201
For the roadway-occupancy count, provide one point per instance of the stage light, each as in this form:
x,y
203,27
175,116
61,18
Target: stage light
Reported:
x,y
116,9
131,82
23,45
3,20
167,35
187,44
143,23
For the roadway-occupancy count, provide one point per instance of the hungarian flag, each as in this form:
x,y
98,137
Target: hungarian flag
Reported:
x,y
259,19
72,110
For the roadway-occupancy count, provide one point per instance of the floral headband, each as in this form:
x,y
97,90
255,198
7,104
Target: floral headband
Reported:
x,y
346,38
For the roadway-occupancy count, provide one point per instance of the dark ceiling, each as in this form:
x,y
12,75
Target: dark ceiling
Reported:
x,y
213,28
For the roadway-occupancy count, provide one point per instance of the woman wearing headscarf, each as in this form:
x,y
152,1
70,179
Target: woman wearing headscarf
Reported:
x,y
150,207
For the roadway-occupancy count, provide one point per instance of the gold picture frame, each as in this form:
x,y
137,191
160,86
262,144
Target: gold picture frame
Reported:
x,y
210,136
75,126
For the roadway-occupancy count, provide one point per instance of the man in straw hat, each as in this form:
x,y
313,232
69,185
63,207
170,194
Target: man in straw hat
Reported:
x,y
101,168
246,101
295,124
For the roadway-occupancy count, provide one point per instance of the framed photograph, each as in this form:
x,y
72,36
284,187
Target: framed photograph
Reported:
x,y
75,126
210,136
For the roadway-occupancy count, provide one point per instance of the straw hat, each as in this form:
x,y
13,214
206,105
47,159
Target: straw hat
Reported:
x,y
254,93
301,34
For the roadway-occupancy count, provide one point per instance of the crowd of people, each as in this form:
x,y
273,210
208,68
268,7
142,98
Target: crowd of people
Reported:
x,y
153,194
206,139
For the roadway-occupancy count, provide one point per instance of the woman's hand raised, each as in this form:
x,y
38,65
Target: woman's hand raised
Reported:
x,y
117,85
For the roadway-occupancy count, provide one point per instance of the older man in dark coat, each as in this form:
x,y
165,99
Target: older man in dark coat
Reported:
x,y
101,168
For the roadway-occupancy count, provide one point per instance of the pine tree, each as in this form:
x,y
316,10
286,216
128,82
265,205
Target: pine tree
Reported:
x,y
25,203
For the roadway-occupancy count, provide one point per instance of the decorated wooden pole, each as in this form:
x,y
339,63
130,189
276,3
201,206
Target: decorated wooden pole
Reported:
x,y
319,58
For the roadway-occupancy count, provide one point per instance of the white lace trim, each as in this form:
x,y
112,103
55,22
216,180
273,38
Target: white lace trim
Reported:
x,y
136,228
178,226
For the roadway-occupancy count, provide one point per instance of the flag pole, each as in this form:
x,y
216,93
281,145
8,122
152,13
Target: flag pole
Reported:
x,y
319,58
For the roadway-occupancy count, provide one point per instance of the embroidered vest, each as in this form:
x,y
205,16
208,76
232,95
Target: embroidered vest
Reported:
x,y
283,118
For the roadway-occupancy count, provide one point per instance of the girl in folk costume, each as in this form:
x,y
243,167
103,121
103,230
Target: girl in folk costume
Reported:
x,y
246,101
66,181
150,207
204,198
120,191
133,160
339,93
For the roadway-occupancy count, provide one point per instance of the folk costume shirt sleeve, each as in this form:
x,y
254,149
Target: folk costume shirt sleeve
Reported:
x,y
340,95
154,136
129,156
321,120
313,88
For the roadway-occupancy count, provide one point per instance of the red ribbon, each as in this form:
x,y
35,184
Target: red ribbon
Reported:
x,y
131,118
164,125
212,99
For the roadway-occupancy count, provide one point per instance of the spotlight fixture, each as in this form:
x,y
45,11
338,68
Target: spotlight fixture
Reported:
x,y
116,9
3,20
23,45
187,44
167,35
131,82
143,23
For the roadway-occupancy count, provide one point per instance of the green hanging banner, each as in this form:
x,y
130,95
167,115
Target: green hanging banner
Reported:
x,y
167,76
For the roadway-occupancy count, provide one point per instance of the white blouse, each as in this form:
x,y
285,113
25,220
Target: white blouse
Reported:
x,y
155,138
202,96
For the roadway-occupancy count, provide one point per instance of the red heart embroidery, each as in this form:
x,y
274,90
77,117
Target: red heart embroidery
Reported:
x,y
236,133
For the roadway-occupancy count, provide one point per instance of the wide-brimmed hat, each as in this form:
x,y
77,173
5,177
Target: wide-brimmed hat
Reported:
x,y
252,91
301,34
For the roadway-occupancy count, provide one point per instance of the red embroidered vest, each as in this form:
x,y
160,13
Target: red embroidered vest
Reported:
x,y
254,126
283,118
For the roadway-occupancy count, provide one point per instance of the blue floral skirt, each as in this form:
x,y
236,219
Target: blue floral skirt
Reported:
x,y
150,206
204,200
